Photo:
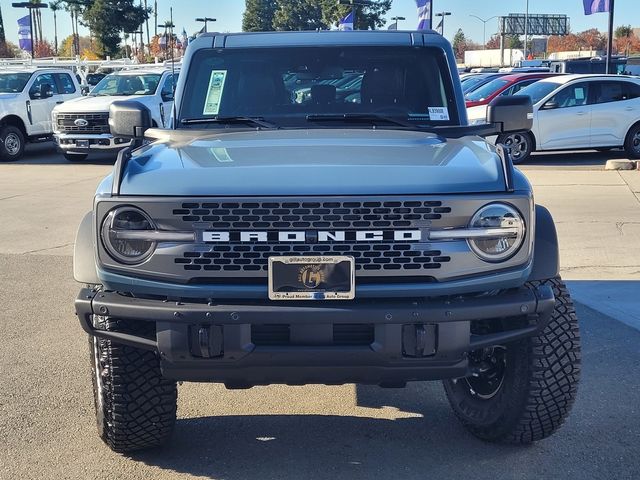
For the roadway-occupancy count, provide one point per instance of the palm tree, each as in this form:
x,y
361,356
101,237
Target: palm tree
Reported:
x,y
3,40
55,7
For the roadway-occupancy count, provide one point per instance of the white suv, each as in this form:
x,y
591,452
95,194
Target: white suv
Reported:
x,y
27,97
82,126
580,112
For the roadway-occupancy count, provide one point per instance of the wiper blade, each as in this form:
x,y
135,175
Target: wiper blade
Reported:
x,y
259,121
359,117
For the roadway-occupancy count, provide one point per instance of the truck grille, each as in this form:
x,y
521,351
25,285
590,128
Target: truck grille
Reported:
x,y
336,215
343,334
97,123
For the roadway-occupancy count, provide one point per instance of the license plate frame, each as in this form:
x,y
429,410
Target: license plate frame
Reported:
x,y
312,278
82,143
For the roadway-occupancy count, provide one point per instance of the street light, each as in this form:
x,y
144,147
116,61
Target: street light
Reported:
x,y
30,6
484,29
397,19
526,29
442,14
205,20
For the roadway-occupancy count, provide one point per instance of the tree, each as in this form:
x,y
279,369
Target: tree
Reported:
x,y
494,42
368,17
459,43
298,15
55,7
513,41
67,47
258,15
3,40
43,49
592,39
107,19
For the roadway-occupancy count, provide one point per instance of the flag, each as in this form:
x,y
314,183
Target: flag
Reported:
x,y
393,26
162,41
595,6
24,33
424,14
346,23
439,27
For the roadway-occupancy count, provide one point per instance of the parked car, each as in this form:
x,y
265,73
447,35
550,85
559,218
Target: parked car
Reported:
x,y
580,112
82,126
27,98
472,81
478,99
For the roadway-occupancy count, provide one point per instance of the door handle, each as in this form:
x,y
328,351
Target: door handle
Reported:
x,y
629,109
581,113
61,101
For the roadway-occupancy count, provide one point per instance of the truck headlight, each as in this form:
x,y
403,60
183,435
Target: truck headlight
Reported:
x,y
500,232
125,235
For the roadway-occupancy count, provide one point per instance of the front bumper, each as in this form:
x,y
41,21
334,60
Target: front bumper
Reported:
x,y
411,339
89,143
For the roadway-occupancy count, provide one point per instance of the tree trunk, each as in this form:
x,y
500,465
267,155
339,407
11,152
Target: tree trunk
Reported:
x,y
55,33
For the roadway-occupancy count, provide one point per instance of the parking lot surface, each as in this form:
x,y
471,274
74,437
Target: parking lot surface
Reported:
x,y
46,413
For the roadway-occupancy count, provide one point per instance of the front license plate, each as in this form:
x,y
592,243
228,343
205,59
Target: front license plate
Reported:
x,y
82,143
312,278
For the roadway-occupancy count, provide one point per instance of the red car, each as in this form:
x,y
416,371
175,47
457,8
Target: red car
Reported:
x,y
505,85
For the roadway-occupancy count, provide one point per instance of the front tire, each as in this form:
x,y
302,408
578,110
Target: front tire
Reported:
x,y
135,407
11,143
527,388
520,145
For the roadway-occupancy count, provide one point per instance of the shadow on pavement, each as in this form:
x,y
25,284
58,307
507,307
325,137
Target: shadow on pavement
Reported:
x,y
419,437
573,158
45,153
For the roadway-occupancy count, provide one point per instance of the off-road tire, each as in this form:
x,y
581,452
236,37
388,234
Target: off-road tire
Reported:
x,y
75,157
12,143
520,145
539,384
135,407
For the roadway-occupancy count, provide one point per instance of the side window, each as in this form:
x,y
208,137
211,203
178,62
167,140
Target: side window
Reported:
x,y
167,88
610,91
575,95
516,88
632,90
44,79
66,83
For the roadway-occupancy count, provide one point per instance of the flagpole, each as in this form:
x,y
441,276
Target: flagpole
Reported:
x,y
431,15
610,42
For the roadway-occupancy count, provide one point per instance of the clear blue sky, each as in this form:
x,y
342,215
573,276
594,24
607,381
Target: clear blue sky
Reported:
x,y
229,15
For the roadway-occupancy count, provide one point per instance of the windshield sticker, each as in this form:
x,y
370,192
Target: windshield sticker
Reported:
x,y
214,92
439,113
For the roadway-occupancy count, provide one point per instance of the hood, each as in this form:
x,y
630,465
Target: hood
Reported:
x,y
312,162
92,104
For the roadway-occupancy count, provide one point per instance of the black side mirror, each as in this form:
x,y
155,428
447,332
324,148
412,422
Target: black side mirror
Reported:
x,y
167,97
513,114
84,90
42,91
129,119
550,105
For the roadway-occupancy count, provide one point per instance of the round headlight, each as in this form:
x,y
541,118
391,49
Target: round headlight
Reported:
x,y
500,232
123,235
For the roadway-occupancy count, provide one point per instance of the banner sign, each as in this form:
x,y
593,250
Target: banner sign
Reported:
x,y
24,33
424,14
595,6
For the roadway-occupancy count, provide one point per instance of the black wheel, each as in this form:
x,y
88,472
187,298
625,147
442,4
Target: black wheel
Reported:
x,y
632,142
11,143
135,407
523,391
76,157
520,144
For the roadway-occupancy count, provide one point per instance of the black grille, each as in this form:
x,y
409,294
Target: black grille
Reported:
x,y
343,334
97,123
329,215
254,257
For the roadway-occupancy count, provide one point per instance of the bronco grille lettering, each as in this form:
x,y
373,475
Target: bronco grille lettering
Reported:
x,y
312,236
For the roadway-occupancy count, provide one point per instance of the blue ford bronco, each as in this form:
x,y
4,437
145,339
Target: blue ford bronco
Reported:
x,y
321,212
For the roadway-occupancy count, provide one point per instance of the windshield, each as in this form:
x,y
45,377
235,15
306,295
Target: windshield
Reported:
x,y
13,82
539,90
296,86
123,85
486,91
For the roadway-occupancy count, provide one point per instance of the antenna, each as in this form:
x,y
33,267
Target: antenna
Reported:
x,y
173,74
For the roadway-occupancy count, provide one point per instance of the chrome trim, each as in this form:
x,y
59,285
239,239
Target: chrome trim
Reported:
x,y
155,235
475,233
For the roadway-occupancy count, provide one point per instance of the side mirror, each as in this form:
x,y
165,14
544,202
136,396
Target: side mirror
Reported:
x,y
129,119
513,114
84,90
550,105
41,92
167,97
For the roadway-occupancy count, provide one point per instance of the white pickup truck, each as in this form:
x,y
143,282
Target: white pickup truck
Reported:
x,y
27,98
81,126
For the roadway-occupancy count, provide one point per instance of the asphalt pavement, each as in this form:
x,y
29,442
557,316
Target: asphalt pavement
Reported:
x,y
47,427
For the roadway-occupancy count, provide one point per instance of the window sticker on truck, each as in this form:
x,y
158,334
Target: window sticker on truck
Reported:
x,y
214,92
439,113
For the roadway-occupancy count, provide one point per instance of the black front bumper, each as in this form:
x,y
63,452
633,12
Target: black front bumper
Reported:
x,y
296,343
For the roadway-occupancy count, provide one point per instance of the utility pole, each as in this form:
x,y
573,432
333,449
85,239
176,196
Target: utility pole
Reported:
x,y
484,29
146,9
443,15
206,20
526,29
155,15
610,40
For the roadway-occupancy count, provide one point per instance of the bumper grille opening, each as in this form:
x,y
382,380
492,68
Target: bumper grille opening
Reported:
x,y
343,334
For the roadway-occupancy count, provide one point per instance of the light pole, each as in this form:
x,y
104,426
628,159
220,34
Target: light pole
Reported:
x,y
526,29
205,20
484,29
442,14
31,7
397,19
